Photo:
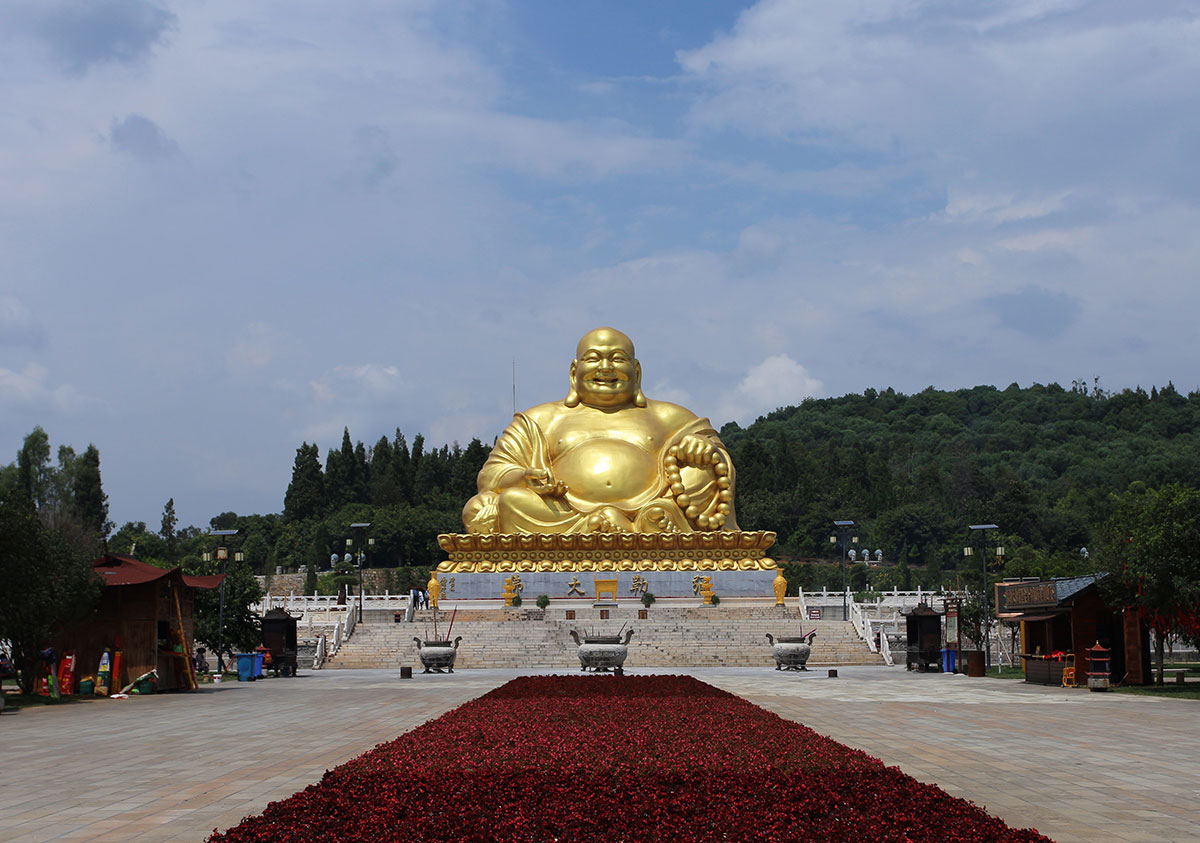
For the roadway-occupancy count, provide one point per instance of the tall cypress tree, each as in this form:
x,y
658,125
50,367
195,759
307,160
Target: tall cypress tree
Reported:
x,y
91,504
167,531
360,490
402,466
306,496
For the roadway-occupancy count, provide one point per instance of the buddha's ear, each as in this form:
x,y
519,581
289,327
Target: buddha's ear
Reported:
x,y
639,399
572,399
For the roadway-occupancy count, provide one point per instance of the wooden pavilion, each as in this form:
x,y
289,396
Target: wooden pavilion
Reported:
x,y
146,613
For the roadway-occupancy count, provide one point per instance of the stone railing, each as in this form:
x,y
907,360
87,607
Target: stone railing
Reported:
x,y
293,602
885,648
861,625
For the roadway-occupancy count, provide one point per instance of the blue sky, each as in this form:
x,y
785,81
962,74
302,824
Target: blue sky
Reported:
x,y
226,228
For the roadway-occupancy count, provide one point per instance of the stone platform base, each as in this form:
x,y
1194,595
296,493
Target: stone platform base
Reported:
x,y
557,585
584,565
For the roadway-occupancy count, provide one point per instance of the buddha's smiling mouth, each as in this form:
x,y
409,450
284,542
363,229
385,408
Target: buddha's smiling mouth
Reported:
x,y
607,381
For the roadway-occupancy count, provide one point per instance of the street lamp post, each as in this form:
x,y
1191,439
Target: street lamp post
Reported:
x,y
362,558
983,530
223,557
844,529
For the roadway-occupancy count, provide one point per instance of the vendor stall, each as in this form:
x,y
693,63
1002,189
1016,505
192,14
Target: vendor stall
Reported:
x,y
1061,618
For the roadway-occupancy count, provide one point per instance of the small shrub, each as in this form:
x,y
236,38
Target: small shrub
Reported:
x,y
716,600
543,600
647,599
516,601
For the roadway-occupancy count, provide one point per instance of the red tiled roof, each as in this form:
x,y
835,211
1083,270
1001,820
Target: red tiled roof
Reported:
x,y
125,570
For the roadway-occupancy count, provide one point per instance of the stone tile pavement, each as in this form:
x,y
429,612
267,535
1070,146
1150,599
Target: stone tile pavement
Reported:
x,y
1076,765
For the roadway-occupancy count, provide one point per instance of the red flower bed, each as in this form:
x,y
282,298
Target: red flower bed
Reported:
x,y
618,758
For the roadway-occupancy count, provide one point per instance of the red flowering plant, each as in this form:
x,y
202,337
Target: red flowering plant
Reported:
x,y
618,758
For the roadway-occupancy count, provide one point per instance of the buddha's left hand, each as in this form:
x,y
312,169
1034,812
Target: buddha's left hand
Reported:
x,y
694,450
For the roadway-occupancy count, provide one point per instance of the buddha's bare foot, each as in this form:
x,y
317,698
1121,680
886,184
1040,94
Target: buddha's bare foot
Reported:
x,y
607,521
661,517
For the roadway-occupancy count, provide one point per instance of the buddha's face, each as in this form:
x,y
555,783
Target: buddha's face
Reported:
x,y
605,372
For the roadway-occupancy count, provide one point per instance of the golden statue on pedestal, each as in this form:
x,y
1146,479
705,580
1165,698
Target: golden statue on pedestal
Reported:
x,y
605,459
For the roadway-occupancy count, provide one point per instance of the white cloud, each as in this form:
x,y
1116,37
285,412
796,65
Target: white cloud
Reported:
x,y
778,381
1018,93
28,389
996,209
362,382
1049,238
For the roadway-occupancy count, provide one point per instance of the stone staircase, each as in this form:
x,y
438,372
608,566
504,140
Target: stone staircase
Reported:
x,y
671,636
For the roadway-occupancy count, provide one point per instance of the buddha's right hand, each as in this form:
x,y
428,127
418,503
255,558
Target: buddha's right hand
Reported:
x,y
543,481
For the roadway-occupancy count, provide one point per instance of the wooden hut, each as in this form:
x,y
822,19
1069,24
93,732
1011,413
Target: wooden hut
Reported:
x,y
146,612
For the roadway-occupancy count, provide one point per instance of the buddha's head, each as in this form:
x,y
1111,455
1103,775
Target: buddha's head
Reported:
x,y
605,372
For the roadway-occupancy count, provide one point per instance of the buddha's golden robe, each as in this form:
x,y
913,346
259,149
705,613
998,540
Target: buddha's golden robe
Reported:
x,y
616,469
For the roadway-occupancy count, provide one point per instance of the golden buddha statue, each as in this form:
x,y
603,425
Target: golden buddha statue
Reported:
x,y
605,459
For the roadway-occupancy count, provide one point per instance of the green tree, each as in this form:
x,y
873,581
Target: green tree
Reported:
x,y
91,503
1150,551
305,497
46,581
33,466
241,631
63,480
167,531
224,521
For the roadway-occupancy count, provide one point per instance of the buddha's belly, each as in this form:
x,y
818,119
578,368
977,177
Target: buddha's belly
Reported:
x,y
607,470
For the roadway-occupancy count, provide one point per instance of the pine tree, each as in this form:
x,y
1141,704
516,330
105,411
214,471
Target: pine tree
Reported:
x,y
306,496
384,489
402,466
167,531
91,504
362,476
340,473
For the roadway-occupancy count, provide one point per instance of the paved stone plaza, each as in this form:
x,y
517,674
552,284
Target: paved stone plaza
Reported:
x,y
1076,765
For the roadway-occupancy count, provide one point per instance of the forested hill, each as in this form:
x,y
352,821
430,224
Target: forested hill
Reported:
x,y
912,470
915,470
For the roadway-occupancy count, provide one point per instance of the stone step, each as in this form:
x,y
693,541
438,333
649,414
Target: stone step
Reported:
x,y
669,637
